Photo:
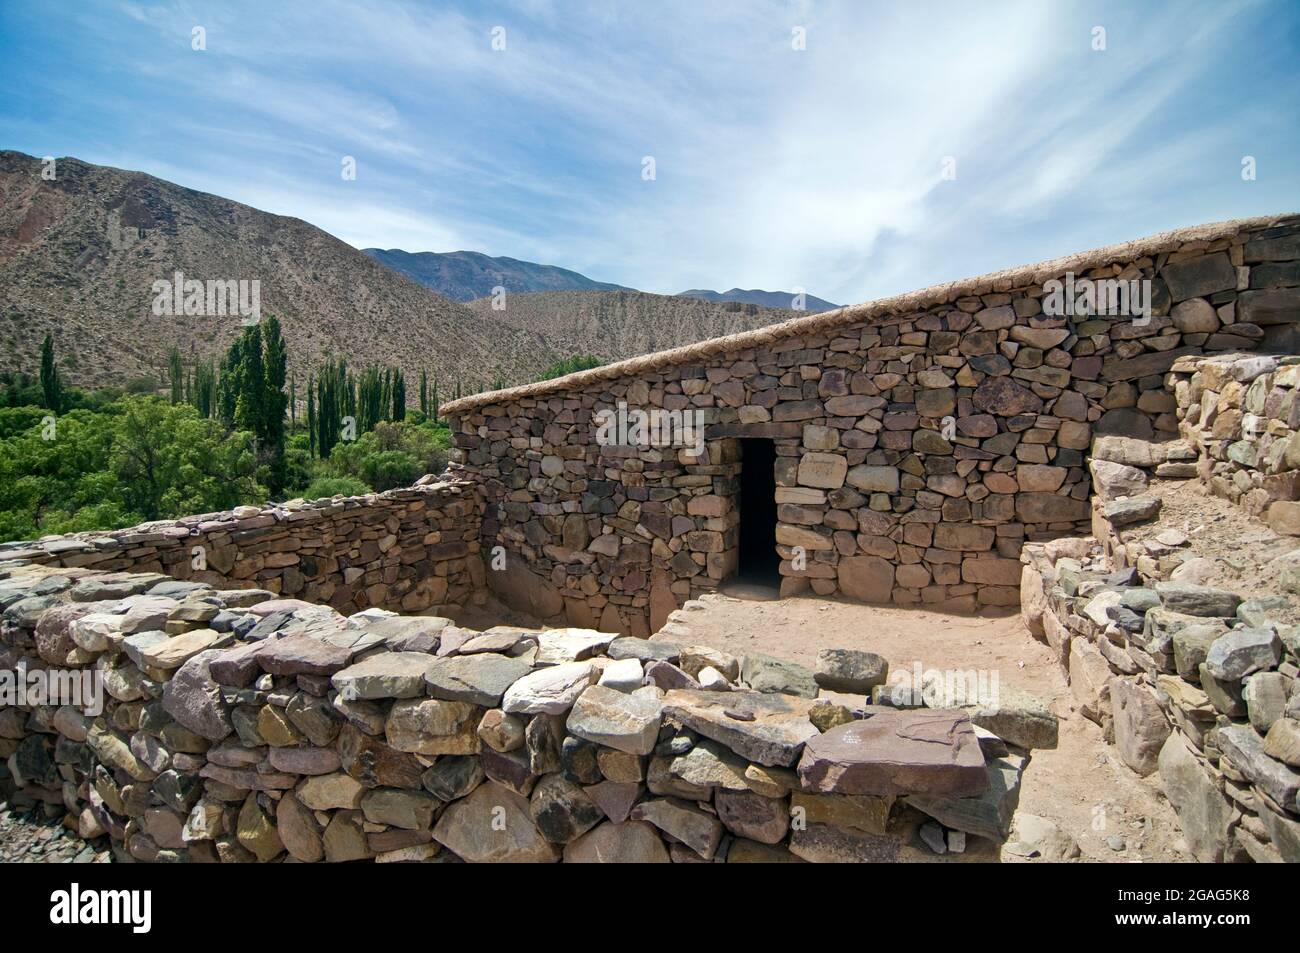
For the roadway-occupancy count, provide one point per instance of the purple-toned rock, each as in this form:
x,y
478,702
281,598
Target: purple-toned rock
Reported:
x,y
302,655
921,751
193,698
746,814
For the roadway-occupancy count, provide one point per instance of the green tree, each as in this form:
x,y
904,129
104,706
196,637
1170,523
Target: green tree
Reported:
x,y
273,404
250,400
399,395
169,461
51,384
175,374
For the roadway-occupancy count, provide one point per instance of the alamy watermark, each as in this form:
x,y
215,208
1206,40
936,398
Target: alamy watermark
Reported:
x,y
21,687
943,688
621,427
1087,297
212,298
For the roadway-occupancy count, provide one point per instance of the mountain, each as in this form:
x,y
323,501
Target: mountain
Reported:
x,y
79,256
764,299
612,325
466,275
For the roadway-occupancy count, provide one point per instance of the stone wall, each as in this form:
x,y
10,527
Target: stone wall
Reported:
x,y
412,549
1241,415
1195,685
886,502
242,727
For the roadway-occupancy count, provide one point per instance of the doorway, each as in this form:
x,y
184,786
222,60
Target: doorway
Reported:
x,y
759,563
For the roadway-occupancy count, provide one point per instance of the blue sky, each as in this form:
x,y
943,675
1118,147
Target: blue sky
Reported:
x,y
774,167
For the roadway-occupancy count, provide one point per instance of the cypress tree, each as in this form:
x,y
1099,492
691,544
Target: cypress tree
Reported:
x,y
250,400
176,374
311,414
51,385
273,402
399,395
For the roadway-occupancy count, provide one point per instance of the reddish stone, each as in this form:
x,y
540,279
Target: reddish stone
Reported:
x,y
925,751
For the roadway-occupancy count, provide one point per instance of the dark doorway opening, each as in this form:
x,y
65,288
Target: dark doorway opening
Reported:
x,y
759,562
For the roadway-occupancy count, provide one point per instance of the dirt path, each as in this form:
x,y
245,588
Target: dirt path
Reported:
x,y
1080,785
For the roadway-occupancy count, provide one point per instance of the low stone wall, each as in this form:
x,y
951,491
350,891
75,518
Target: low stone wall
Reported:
x,y
1193,684
1241,416
413,549
243,727
920,440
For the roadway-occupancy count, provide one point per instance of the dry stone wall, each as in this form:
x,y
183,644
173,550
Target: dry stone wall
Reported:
x,y
241,727
1241,416
412,549
920,441
1195,685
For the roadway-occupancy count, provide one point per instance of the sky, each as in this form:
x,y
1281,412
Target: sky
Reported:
x,y
854,149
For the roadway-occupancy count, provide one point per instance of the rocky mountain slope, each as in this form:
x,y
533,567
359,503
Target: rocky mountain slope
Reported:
x,y
466,275
79,256
613,325
764,299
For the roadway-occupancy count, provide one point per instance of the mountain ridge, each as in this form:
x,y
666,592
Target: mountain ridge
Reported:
x,y
764,299
465,275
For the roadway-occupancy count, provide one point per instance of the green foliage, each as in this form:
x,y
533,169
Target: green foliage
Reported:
x,y
141,385
171,461
570,365
392,455
140,458
334,486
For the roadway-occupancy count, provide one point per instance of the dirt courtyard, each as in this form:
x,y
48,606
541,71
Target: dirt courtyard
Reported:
x,y
1114,815
1080,785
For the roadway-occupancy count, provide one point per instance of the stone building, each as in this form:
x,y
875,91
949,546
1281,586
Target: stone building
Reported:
x,y
900,451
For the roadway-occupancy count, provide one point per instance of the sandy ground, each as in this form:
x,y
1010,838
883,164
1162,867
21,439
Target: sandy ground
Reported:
x,y
1080,785
1239,551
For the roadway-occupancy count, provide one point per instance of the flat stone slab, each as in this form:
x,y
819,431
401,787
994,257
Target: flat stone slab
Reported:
x,y
387,675
919,751
571,645
764,673
302,655
645,650
549,691
1191,599
770,729
986,815
626,722
176,651
477,679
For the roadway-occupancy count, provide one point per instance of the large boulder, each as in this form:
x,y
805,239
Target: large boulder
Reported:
x,y
631,842
193,698
1204,814
866,578
520,588
493,825
1140,724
